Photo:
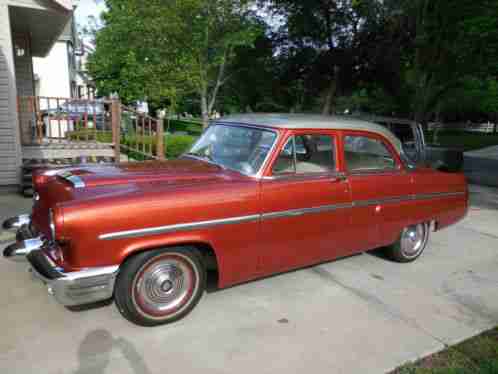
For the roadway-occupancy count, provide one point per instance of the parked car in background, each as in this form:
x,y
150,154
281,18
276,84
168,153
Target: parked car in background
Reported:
x,y
72,115
255,195
412,136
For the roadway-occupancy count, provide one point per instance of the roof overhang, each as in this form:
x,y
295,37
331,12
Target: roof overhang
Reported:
x,y
44,25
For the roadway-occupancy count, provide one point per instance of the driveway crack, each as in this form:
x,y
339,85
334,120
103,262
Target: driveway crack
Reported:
x,y
376,302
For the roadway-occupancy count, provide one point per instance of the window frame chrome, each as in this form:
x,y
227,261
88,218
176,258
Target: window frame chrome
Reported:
x,y
334,137
399,162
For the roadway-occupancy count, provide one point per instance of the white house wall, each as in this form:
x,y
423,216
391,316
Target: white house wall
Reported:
x,y
53,72
10,150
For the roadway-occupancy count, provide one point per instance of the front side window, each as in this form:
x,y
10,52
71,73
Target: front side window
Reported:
x,y
239,148
305,154
364,154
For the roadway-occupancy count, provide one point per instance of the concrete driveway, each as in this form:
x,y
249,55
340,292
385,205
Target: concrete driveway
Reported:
x,y
362,314
481,166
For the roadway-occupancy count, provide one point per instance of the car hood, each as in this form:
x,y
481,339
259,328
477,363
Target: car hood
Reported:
x,y
179,171
92,183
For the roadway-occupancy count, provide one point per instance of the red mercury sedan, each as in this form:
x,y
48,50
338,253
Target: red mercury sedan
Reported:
x,y
258,194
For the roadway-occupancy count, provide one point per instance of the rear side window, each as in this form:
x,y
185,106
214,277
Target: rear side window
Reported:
x,y
304,154
365,154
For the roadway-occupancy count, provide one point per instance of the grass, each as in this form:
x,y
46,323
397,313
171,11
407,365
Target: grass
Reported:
x,y
465,140
478,355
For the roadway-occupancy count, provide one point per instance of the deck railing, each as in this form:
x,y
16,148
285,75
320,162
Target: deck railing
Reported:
x,y
53,119
141,136
48,120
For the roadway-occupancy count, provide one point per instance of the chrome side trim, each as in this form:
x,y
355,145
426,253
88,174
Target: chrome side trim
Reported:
x,y
437,194
300,212
270,215
75,180
178,227
387,200
400,199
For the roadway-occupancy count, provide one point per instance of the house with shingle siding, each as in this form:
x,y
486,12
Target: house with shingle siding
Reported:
x,y
28,28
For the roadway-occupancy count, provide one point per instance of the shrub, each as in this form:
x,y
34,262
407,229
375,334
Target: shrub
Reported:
x,y
90,135
176,145
190,127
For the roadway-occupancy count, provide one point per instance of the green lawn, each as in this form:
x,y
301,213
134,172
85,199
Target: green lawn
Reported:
x,y
477,355
465,140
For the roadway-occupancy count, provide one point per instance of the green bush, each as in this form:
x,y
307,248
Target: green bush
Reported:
x,y
90,135
176,145
190,127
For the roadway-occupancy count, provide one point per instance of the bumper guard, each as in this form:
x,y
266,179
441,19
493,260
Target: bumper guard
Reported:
x,y
73,288
15,223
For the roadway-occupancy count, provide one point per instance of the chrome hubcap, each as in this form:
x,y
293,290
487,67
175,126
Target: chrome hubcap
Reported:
x,y
413,239
164,285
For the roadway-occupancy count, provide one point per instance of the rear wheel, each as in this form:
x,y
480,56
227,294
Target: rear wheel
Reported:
x,y
411,243
160,286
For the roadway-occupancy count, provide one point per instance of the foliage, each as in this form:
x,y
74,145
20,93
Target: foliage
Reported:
x,y
160,51
421,59
189,127
475,99
179,144
90,135
175,145
452,40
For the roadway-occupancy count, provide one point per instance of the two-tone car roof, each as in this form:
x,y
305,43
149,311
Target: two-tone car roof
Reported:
x,y
310,121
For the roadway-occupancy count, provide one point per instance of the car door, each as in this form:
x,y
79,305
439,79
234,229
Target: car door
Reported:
x,y
305,204
381,188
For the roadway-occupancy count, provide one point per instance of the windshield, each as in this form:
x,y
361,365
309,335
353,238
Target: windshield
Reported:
x,y
243,149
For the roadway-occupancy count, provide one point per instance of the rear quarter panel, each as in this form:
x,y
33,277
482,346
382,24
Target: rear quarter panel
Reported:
x,y
445,210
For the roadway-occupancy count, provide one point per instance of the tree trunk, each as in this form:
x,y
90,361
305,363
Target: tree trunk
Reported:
x,y
204,110
327,106
331,93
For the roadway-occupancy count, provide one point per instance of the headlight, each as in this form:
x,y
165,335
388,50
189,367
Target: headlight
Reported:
x,y
51,223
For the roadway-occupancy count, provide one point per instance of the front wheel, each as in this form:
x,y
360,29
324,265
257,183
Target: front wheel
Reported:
x,y
160,286
411,243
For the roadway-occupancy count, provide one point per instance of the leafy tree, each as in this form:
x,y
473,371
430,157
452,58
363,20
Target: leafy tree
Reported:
x,y
449,40
334,28
163,50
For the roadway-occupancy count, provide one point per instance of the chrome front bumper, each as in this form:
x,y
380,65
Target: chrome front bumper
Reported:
x,y
69,288
73,288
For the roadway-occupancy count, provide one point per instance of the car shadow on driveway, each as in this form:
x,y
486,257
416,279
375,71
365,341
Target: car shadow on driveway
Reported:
x,y
94,353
